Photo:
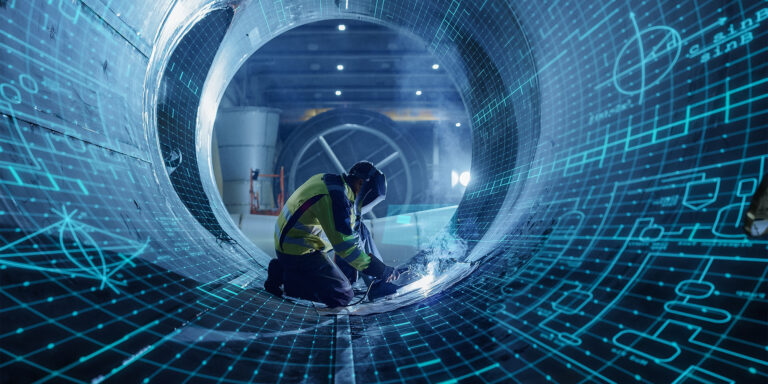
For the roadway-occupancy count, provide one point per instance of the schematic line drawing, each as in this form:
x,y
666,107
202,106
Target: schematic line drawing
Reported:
x,y
77,250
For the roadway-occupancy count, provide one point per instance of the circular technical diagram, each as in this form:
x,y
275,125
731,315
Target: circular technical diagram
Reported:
x,y
646,59
335,140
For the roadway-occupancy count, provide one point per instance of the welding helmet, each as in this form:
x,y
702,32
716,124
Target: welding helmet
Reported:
x,y
374,188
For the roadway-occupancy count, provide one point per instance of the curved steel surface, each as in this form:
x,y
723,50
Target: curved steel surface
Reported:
x,y
616,146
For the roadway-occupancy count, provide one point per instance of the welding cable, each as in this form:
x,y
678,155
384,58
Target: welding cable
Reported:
x,y
364,296
400,271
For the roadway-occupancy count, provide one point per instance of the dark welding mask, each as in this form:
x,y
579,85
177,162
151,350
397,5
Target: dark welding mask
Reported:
x,y
374,188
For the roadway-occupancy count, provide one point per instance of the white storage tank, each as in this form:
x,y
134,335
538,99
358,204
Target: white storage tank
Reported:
x,y
247,137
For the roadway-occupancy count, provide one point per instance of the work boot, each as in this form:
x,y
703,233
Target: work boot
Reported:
x,y
274,278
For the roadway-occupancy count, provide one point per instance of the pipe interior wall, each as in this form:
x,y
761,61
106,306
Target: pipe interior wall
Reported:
x,y
616,147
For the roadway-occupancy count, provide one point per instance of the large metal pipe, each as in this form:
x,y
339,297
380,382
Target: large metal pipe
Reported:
x,y
616,146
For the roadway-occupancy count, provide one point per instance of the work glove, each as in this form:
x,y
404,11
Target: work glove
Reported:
x,y
390,274
378,270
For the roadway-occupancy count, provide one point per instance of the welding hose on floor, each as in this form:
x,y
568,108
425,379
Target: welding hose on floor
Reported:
x,y
364,296
399,271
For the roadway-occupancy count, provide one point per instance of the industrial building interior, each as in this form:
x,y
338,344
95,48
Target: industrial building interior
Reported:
x,y
577,189
371,93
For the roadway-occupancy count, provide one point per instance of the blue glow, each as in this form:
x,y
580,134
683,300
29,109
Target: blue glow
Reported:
x,y
616,148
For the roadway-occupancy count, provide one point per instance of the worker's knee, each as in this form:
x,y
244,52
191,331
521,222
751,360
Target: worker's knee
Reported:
x,y
275,270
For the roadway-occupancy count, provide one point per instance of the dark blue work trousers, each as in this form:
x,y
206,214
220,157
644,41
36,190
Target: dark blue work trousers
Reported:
x,y
316,277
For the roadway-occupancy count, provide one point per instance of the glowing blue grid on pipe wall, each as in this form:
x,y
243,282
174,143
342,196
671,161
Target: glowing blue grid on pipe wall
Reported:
x,y
179,98
621,259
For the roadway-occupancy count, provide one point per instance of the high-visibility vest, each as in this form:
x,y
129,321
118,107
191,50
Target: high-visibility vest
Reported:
x,y
323,204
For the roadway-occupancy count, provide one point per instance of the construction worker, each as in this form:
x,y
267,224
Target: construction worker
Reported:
x,y
331,204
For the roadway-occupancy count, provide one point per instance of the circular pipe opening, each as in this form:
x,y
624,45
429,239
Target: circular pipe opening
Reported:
x,y
480,73
624,259
475,69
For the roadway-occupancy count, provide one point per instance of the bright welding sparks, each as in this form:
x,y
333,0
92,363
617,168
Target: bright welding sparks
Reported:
x,y
425,282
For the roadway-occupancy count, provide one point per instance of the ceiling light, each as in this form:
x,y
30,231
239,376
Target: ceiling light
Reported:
x,y
342,27
435,66
458,124
418,92
340,67
338,92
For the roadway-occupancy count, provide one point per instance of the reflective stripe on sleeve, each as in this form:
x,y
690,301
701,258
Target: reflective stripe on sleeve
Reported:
x,y
345,245
353,256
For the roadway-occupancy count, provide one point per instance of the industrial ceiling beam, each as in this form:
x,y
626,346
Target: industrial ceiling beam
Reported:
x,y
347,74
310,104
354,55
314,31
331,90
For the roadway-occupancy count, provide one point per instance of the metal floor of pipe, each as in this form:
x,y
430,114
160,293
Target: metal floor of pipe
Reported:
x,y
616,147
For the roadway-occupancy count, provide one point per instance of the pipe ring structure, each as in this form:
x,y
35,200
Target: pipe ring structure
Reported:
x,y
617,147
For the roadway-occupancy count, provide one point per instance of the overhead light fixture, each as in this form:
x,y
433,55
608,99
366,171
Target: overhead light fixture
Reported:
x,y
338,92
418,92
340,67
454,178
342,27
435,66
458,124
